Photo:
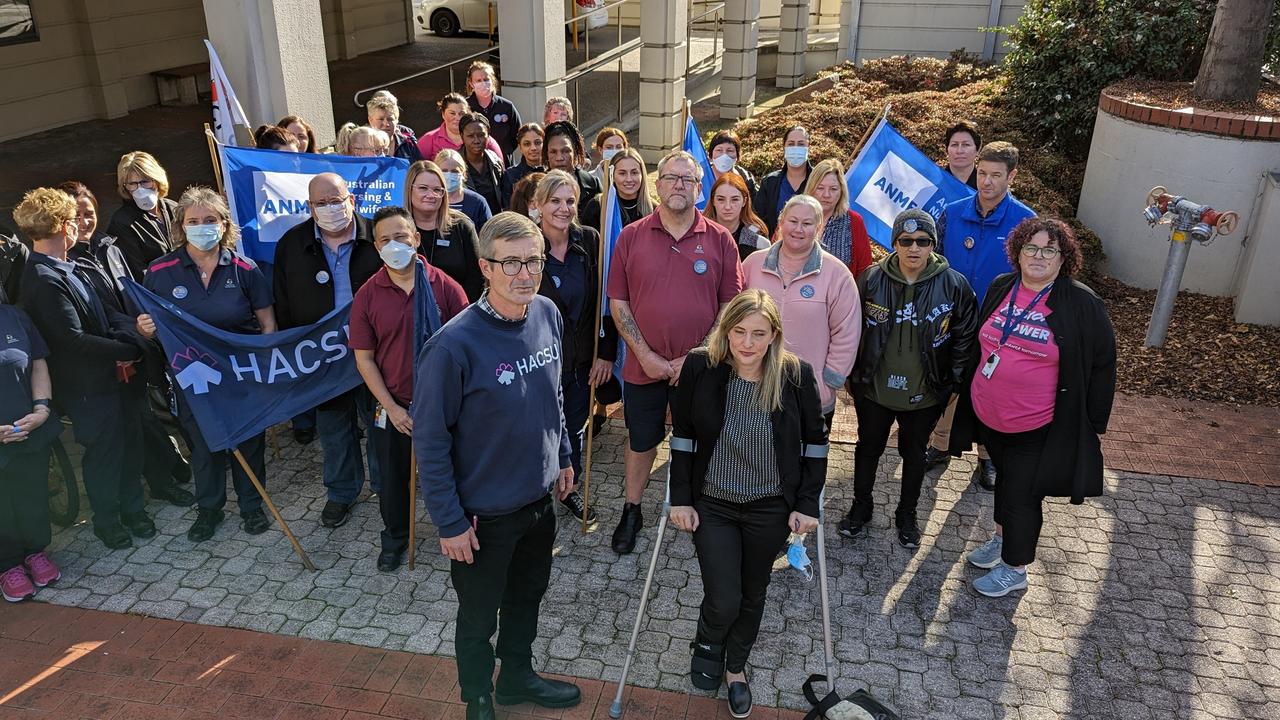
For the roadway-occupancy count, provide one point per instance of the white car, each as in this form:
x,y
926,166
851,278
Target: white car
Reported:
x,y
447,18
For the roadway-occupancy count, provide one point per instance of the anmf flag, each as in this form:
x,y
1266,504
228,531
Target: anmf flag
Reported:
x,y
239,385
227,113
693,146
890,175
267,190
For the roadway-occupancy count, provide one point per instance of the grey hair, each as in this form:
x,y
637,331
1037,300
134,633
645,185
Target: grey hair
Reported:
x,y
383,100
201,196
681,155
506,225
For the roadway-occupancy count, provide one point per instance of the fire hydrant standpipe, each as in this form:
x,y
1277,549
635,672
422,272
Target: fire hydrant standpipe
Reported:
x,y
1190,222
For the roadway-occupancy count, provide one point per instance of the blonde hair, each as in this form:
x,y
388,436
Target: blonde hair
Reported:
x,y
506,225
808,201
145,165
44,213
644,199
558,100
830,166
348,134
482,65
779,365
201,196
383,100
454,155
445,215
550,183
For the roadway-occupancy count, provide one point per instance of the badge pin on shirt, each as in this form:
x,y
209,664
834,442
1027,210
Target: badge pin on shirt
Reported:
x,y
322,277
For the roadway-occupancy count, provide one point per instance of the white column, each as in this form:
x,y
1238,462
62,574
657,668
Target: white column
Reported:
x,y
850,18
273,53
793,42
738,78
532,54
664,32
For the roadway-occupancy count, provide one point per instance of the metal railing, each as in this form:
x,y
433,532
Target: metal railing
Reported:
x,y
434,68
717,39
588,65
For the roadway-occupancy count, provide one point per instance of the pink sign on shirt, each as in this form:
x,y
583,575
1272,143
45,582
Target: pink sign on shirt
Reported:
x,y
1020,394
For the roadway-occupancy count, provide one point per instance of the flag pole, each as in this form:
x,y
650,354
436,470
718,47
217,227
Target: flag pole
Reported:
x,y
883,115
274,512
595,348
413,506
213,155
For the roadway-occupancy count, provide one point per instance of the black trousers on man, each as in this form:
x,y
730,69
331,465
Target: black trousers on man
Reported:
x,y
394,451
510,574
874,423
1019,505
109,426
736,544
24,503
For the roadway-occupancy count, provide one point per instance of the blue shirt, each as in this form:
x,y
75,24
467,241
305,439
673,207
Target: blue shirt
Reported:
x,y
785,193
974,244
20,343
570,279
340,267
236,289
474,206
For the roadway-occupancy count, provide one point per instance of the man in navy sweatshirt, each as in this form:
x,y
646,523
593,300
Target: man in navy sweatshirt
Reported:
x,y
490,437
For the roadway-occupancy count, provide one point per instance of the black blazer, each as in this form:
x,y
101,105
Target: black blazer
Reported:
x,y
799,432
299,298
578,342
82,353
137,237
1071,463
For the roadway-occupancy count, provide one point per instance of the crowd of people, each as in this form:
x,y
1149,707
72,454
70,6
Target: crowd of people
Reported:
x,y
746,324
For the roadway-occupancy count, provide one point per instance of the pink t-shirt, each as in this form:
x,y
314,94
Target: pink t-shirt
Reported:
x,y
1020,394
437,140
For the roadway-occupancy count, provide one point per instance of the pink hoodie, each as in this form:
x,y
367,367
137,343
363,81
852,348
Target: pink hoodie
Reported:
x,y
821,313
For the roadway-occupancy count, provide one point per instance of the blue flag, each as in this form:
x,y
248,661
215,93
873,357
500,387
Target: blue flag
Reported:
x,y
239,385
693,146
267,190
426,314
890,175
612,215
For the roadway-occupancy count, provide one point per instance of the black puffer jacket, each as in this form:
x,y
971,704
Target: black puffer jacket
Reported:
x,y
948,315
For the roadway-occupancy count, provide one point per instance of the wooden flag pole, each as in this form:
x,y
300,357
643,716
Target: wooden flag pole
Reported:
x,y
853,157
213,155
413,507
595,349
274,512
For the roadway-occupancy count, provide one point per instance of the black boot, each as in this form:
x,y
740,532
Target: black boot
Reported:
x,y
480,709
706,669
629,525
985,474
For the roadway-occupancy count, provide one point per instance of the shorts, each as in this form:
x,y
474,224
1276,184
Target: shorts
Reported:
x,y
644,407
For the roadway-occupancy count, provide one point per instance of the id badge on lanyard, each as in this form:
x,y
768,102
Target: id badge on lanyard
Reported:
x,y
1011,321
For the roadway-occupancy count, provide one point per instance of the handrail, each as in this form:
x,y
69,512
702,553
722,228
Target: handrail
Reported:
x,y
714,9
624,49
356,98
593,11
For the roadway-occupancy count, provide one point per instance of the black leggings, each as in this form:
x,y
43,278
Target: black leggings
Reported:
x,y
736,545
1019,505
24,505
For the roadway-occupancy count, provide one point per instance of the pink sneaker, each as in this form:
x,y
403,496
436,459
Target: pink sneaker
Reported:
x,y
41,569
15,585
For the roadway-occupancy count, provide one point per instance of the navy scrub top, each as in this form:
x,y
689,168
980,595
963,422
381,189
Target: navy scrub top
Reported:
x,y
20,344
235,291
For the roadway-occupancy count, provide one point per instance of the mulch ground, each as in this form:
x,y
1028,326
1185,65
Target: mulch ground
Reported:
x,y
1175,95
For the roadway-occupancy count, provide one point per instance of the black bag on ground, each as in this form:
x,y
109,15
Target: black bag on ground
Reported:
x,y
858,706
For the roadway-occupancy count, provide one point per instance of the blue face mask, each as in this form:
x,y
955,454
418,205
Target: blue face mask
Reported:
x,y
798,557
796,156
452,182
204,237
397,255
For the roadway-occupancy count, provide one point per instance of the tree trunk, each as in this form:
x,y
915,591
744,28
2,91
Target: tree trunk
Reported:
x,y
1231,70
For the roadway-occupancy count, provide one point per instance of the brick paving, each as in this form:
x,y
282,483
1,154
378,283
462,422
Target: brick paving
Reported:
x,y
1158,600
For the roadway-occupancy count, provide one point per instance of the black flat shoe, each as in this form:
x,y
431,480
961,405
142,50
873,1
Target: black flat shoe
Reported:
x,y
739,699
629,525
139,525
207,521
389,560
480,709
115,537
173,495
255,522
335,514
537,690
985,474
934,457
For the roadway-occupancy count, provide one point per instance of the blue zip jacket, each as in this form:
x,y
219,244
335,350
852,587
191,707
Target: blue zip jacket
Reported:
x,y
987,258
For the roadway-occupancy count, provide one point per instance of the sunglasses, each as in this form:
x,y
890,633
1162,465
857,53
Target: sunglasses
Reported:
x,y
918,242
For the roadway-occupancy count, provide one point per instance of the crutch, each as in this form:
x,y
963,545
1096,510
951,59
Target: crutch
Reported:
x,y
615,710
827,650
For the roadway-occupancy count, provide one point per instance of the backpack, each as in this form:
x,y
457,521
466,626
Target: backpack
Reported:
x,y
858,706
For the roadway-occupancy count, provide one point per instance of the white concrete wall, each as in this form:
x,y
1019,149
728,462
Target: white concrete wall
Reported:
x,y
1127,159
1258,293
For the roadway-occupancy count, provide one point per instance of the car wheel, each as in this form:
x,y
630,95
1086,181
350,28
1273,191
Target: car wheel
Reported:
x,y
444,23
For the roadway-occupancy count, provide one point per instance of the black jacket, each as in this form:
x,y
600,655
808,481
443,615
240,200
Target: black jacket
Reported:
x,y
299,298
82,352
458,259
1071,463
579,341
13,259
588,187
513,175
765,202
589,212
799,432
137,237
949,324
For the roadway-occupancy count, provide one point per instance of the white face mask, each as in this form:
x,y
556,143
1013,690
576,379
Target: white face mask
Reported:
x,y
332,217
204,237
724,163
535,215
796,156
145,198
397,255
452,182
608,153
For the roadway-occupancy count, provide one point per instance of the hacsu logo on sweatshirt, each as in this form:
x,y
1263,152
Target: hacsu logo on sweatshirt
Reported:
x,y
525,365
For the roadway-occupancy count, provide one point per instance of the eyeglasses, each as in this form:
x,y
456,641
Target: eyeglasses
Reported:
x,y
677,180
135,184
433,191
535,265
1048,253
906,242
331,202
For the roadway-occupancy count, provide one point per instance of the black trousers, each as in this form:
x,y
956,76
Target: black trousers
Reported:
x,y
1019,506
162,463
24,505
874,423
510,575
394,450
109,427
736,544
209,471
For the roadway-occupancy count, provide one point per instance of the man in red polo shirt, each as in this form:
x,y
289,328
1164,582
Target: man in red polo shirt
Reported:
x,y
671,273
383,338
